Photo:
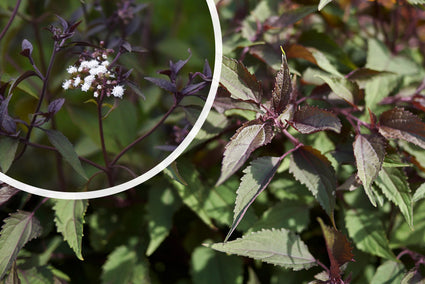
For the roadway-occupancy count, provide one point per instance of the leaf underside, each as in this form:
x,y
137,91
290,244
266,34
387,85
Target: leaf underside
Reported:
x,y
310,119
257,177
278,247
69,220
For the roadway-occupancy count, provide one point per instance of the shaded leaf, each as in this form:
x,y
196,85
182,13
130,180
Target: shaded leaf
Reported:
x,y
343,88
162,204
223,102
310,119
338,247
314,170
402,236
8,147
291,16
62,144
248,137
389,272
369,151
402,124
211,267
239,82
6,192
123,266
394,185
18,229
366,74
282,87
278,247
163,84
257,177
6,122
69,220
367,233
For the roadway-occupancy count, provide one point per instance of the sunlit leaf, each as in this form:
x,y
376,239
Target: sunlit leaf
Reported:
x,y
69,220
419,193
369,151
367,233
343,88
314,170
18,229
239,82
394,185
323,3
338,247
279,247
402,124
211,267
389,272
257,177
248,137
66,149
310,119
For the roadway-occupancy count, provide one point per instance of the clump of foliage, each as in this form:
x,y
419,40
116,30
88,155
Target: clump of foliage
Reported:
x,y
313,156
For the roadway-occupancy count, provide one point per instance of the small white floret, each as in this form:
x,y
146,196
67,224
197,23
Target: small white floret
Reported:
x,y
118,91
72,69
66,84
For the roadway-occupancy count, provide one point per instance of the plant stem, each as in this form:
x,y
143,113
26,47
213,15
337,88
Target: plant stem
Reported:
x,y
14,12
102,140
132,144
40,101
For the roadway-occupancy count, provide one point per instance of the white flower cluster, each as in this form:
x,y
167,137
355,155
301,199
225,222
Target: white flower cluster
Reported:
x,y
93,75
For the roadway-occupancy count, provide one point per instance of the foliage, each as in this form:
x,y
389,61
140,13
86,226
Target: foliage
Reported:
x,y
309,169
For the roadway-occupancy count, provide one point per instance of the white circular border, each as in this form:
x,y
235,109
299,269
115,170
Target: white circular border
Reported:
x,y
168,160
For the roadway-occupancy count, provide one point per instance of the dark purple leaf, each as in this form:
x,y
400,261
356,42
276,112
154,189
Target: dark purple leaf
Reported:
x,y
193,88
402,124
55,106
310,119
282,87
339,250
163,84
6,122
291,17
176,67
207,70
363,74
248,137
239,82
63,22
6,192
126,46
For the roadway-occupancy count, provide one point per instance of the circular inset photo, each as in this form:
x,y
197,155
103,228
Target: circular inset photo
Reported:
x,y
97,97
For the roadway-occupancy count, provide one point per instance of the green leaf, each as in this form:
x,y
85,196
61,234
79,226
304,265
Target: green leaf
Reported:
x,y
402,124
257,177
62,144
278,247
394,185
345,89
323,3
8,148
288,214
419,193
248,137
239,82
310,119
282,87
123,266
69,220
314,170
367,232
161,206
323,62
210,267
18,229
379,88
402,236
389,272
369,151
